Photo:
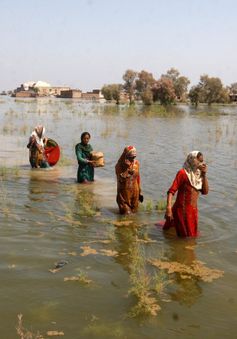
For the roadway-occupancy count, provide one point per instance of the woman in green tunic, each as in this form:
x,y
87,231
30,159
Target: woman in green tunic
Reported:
x,y
85,172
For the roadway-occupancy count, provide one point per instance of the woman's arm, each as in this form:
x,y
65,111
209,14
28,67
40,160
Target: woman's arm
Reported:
x,y
169,213
80,158
172,190
205,186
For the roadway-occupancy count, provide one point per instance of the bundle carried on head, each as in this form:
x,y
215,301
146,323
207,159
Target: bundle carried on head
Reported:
x,y
98,158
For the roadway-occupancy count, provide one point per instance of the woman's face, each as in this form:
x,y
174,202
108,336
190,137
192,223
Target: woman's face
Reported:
x,y
85,139
131,158
198,161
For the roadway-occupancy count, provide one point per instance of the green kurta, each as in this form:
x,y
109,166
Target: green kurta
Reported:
x,y
85,171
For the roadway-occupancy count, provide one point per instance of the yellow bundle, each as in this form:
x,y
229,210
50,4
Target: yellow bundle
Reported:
x,y
98,158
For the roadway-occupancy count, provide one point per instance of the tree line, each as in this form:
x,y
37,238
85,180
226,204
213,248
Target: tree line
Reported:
x,y
168,89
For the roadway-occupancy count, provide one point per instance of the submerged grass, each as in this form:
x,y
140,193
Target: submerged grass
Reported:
x,y
149,205
141,286
9,172
196,269
23,333
80,277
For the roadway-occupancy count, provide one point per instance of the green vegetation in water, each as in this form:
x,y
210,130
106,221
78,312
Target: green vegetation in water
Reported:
x,y
103,330
9,172
80,277
86,205
161,205
65,161
24,333
141,289
149,205
160,282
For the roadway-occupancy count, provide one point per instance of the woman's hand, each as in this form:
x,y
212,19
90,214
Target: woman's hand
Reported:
x,y
169,214
91,163
203,169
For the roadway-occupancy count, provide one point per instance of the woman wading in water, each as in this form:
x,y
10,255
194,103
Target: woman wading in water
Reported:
x,y
189,182
36,147
128,181
85,172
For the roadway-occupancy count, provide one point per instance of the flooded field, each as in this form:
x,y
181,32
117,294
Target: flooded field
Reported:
x,y
70,264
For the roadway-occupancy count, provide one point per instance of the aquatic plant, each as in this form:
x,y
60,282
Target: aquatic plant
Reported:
x,y
64,161
149,205
141,289
160,282
6,172
100,330
196,269
26,334
161,205
80,277
86,205
23,333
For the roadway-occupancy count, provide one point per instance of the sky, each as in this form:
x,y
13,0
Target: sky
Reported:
x,y
88,43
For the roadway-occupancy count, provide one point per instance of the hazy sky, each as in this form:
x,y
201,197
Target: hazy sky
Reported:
x,y
88,43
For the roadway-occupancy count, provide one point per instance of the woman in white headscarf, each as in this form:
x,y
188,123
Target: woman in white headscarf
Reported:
x,y
189,182
36,145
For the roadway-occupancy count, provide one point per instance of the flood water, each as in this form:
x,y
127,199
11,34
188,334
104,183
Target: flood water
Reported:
x,y
46,218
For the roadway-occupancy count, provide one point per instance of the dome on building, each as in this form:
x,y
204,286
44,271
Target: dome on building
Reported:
x,y
28,84
42,84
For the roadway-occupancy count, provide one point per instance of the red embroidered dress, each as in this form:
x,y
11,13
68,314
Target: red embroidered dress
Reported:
x,y
185,211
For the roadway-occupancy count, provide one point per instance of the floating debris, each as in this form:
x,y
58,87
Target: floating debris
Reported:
x,y
87,250
11,266
58,266
196,269
122,223
145,241
80,278
105,241
69,220
55,333
74,254
109,253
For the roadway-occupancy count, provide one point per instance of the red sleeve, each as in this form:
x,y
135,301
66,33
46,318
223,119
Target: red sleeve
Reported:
x,y
178,181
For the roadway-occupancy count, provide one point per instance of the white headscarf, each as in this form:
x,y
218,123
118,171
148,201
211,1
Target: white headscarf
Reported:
x,y
38,133
193,173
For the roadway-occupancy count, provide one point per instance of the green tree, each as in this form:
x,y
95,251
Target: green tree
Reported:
x,y
144,85
163,91
180,83
195,95
233,88
147,96
129,83
212,90
112,92
107,93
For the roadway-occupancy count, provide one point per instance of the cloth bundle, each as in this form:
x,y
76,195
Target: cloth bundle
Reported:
x,y
98,158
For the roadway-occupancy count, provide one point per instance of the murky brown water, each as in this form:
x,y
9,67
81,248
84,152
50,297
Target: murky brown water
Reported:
x,y
46,217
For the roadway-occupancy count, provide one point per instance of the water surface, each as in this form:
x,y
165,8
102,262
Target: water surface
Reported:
x,y
46,217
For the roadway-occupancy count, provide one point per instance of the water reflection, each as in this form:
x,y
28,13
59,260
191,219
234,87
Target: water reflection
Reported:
x,y
187,288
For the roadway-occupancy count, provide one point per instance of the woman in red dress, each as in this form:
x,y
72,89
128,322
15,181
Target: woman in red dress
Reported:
x,y
189,182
